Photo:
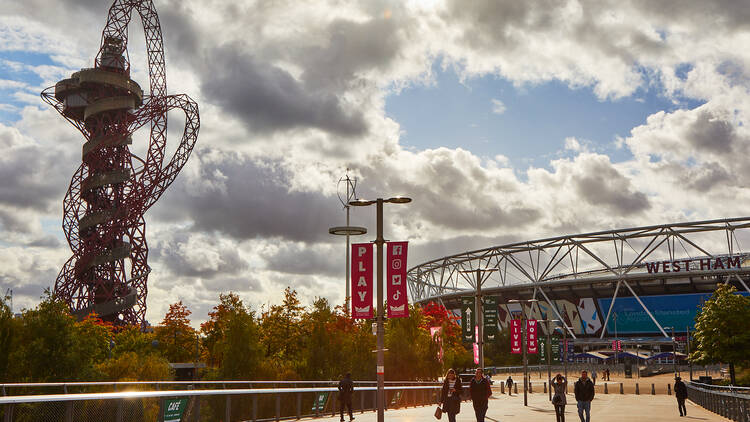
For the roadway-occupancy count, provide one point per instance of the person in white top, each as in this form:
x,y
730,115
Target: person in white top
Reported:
x,y
450,399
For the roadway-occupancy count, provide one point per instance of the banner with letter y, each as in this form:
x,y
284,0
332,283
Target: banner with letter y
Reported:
x,y
362,281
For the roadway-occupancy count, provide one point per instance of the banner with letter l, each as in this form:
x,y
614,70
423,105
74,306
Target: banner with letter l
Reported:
x,y
515,336
362,281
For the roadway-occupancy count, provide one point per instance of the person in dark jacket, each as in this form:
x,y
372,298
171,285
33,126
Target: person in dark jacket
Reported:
x,y
346,390
584,391
509,384
480,390
559,385
450,397
680,391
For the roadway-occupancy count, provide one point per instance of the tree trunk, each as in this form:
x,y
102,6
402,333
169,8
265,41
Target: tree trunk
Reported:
x,y
732,380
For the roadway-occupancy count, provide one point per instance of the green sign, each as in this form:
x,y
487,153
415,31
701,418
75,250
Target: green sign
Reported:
x,y
320,402
555,352
490,316
396,398
173,409
468,320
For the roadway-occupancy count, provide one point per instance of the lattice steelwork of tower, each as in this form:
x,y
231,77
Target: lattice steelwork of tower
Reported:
x,y
112,188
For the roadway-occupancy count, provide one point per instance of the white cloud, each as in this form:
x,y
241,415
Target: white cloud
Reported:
x,y
292,94
497,106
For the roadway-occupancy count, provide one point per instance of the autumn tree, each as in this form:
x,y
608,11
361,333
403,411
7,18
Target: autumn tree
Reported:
x,y
177,339
231,340
455,353
281,335
721,329
412,354
6,336
52,346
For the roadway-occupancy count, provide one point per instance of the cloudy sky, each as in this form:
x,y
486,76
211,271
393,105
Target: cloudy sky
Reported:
x,y
503,120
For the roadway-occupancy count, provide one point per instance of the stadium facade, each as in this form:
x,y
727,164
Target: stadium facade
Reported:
x,y
635,284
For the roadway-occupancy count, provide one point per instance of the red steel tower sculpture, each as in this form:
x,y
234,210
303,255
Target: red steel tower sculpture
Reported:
x,y
112,188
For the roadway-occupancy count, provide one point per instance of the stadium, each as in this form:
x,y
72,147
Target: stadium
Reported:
x,y
641,285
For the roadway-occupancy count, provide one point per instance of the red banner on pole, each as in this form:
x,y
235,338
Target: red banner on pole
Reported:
x,y
362,281
531,337
398,303
515,336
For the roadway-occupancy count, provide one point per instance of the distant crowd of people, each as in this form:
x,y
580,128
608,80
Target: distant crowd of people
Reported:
x,y
480,391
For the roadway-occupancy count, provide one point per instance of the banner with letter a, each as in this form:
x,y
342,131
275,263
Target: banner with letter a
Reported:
x,y
515,336
532,337
395,261
362,282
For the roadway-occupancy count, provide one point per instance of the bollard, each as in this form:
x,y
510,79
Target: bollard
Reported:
x,y
622,390
653,389
669,389
515,387
278,407
531,390
333,412
636,389
362,402
605,389
545,387
299,405
228,409
502,388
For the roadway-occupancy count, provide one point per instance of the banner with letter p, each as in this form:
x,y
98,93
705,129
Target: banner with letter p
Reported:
x,y
362,282
398,303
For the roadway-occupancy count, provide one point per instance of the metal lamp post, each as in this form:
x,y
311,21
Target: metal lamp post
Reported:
x,y
690,361
674,351
379,241
347,230
524,345
478,310
548,346
564,329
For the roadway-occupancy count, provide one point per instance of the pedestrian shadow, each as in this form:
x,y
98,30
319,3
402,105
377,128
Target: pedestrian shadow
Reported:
x,y
541,410
695,417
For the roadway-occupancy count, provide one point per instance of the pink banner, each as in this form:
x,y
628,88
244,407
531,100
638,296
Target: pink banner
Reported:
x,y
437,336
515,336
362,281
398,303
531,337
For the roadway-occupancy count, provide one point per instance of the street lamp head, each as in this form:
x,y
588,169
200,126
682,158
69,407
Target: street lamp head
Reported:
x,y
347,230
361,202
399,200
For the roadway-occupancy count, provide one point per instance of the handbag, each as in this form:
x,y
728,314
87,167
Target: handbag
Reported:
x,y
438,413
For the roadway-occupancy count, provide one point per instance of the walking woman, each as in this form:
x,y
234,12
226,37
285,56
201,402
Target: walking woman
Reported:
x,y
559,384
480,390
450,398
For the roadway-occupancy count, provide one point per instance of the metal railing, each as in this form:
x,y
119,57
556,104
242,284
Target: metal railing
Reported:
x,y
7,389
728,401
252,404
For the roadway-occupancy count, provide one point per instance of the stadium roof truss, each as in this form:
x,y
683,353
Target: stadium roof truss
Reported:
x,y
624,257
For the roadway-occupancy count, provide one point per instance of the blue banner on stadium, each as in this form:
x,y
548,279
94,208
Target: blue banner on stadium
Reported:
x,y
677,311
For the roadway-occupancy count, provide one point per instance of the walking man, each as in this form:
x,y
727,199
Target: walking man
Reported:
x,y
584,391
680,391
509,384
480,393
346,390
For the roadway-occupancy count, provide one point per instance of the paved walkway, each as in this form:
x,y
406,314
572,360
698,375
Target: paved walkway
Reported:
x,y
609,408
